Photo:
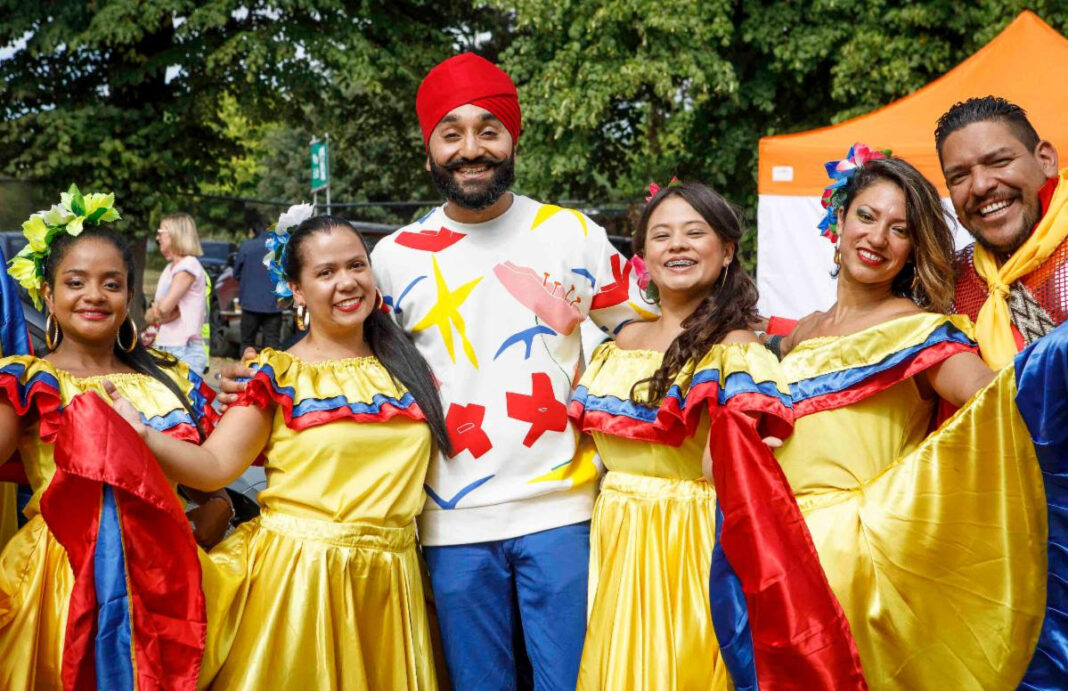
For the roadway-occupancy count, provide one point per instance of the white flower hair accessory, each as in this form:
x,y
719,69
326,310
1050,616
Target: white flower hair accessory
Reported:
x,y
277,243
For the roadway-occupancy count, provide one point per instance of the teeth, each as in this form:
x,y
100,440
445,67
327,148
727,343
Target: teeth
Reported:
x,y
870,255
348,303
680,262
996,206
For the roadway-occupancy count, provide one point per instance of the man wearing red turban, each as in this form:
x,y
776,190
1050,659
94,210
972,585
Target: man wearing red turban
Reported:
x,y
492,287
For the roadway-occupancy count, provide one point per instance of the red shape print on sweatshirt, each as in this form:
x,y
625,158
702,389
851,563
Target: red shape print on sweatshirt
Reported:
x,y
619,289
430,240
541,408
464,423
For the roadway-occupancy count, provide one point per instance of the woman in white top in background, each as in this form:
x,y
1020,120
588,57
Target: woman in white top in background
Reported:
x,y
180,302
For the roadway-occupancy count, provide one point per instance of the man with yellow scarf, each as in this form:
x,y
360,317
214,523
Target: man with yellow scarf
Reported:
x,y
1007,192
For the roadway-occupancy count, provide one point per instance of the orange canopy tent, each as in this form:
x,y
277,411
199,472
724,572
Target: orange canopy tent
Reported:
x,y
1024,64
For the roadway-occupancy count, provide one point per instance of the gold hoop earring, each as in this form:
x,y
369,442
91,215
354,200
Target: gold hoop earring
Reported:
x,y
837,256
378,299
133,341
301,315
51,342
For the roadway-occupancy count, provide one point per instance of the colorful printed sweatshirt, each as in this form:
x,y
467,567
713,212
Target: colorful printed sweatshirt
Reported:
x,y
495,309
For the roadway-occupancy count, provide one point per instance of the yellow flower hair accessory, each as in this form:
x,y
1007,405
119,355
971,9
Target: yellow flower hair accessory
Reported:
x,y
73,212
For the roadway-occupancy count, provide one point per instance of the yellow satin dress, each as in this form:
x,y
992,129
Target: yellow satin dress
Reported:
x,y
333,595
935,544
35,576
654,524
9,521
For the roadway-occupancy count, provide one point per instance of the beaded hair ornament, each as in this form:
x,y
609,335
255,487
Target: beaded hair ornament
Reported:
x,y
278,236
71,215
841,172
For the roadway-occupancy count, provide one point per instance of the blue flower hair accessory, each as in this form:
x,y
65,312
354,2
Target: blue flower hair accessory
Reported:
x,y
278,242
841,172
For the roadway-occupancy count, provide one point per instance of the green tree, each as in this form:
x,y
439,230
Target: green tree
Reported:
x,y
376,148
142,98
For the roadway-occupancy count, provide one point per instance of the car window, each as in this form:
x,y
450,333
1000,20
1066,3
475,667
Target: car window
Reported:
x,y
216,250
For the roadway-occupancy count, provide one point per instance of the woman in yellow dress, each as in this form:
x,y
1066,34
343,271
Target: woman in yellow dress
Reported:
x,y
656,401
346,421
86,277
935,544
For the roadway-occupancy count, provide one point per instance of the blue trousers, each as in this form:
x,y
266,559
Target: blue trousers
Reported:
x,y
505,602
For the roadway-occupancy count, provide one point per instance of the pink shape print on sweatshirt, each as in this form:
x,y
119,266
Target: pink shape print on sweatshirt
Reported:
x,y
549,299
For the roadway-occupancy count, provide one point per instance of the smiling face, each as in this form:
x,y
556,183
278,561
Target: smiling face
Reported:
x,y
336,283
993,180
875,238
89,296
471,157
682,252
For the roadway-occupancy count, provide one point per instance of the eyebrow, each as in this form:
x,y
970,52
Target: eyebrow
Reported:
x,y
83,272
692,221
354,257
486,117
996,153
985,158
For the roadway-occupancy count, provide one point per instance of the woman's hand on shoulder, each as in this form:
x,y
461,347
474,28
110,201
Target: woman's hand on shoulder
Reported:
x,y
229,386
125,409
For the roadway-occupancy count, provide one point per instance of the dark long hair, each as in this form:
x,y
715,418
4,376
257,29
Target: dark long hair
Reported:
x,y
140,359
387,341
927,278
730,303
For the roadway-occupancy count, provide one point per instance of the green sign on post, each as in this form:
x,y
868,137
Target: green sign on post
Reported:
x,y
320,165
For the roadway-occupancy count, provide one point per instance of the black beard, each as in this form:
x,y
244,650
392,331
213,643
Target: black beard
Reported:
x,y
1030,220
477,200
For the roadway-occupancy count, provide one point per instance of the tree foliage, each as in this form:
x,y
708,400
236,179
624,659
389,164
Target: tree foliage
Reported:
x,y
142,98
616,94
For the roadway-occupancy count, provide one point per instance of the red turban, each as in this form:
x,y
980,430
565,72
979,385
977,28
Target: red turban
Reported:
x,y
464,79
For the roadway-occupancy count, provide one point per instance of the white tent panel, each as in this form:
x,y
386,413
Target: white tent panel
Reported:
x,y
794,262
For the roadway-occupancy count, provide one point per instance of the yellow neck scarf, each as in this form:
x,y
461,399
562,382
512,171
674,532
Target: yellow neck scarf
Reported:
x,y
993,326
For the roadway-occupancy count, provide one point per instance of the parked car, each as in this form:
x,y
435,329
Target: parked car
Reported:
x,y
218,254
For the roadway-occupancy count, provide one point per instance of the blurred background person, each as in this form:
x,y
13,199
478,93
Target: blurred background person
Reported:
x,y
259,309
179,308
